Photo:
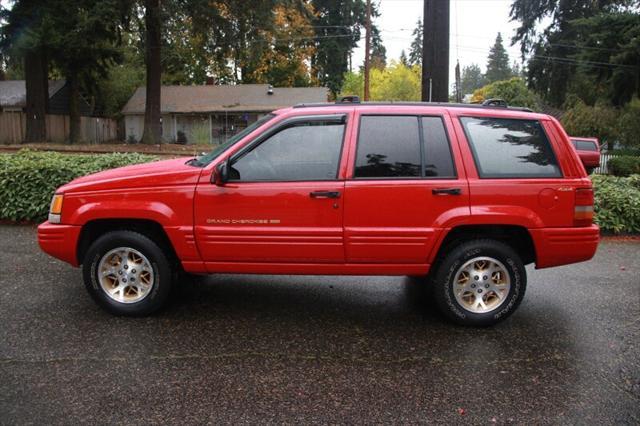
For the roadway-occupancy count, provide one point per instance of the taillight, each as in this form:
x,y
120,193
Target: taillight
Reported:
x,y
583,210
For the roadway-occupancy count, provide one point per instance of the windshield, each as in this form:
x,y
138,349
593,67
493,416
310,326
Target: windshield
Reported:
x,y
205,159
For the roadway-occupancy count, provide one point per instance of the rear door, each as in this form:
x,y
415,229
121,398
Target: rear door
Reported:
x,y
406,181
515,173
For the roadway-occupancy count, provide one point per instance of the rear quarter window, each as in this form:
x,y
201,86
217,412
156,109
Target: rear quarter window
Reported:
x,y
583,145
510,148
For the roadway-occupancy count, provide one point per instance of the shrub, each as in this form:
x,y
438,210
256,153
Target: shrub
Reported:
x,y
624,165
28,179
629,125
514,91
591,121
617,203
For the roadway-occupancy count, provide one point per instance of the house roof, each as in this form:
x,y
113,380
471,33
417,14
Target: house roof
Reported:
x,y
13,93
239,98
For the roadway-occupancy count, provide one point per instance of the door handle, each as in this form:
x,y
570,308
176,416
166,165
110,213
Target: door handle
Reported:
x,y
446,191
324,194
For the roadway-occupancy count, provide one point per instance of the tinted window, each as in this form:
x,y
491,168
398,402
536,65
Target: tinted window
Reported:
x,y
309,151
438,161
505,148
388,146
584,145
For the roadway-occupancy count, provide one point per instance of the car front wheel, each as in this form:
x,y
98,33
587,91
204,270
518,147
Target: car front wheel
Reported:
x,y
479,283
127,273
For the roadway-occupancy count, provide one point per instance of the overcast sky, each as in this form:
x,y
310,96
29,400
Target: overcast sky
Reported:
x,y
473,29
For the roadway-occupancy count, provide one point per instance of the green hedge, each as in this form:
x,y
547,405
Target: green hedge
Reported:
x,y
625,165
28,179
617,203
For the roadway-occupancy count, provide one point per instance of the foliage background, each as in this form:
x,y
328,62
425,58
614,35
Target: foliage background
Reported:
x,y
29,179
617,203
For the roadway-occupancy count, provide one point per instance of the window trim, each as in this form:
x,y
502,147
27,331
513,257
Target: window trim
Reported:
x,y
339,118
472,148
423,150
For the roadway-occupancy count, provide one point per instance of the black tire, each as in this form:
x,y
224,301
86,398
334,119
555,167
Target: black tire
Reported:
x,y
162,273
445,274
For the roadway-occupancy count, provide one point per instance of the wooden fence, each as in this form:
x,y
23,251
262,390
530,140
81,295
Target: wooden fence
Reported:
x,y
13,128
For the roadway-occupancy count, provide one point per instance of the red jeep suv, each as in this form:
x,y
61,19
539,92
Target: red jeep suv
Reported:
x,y
462,195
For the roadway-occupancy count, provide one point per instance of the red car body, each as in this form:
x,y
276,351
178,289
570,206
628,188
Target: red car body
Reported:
x,y
588,150
374,227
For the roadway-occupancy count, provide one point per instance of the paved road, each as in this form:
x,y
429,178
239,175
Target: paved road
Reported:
x,y
263,349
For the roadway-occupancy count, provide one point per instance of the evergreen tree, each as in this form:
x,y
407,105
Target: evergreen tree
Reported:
x,y
337,26
403,58
549,72
471,79
378,51
498,62
415,51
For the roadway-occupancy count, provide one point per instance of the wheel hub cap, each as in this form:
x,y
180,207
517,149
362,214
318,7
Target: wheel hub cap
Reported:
x,y
125,275
481,285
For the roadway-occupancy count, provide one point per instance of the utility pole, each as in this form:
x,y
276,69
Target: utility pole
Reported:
x,y
435,51
367,51
458,82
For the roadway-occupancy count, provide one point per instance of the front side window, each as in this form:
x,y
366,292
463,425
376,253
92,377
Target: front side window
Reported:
x,y
208,158
510,148
302,152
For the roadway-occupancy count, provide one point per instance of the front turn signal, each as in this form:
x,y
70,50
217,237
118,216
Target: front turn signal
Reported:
x,y
55,210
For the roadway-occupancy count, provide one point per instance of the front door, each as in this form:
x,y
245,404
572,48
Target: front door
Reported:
x,y
406,184
283,201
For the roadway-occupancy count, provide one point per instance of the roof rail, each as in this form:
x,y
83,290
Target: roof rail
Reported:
x,y
492,105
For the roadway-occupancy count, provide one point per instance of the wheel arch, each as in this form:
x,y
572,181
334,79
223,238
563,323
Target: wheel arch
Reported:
x,y
151,229
516,236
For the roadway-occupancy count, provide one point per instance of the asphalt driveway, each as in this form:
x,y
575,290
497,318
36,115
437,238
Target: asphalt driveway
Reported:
x,y
265,349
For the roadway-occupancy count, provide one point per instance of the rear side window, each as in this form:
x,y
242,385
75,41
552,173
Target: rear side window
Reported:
x,y
403,147
510,148
584,145
388,146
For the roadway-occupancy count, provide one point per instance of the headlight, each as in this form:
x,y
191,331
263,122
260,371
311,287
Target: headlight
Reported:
x,y
56,208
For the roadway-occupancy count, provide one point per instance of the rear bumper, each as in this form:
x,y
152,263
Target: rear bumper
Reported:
x,y
59,241
562,246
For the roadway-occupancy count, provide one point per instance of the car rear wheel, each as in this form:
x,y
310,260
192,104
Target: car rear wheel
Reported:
x,y
479,283
127,273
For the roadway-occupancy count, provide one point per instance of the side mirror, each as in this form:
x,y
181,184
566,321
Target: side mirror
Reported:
x,y
221,175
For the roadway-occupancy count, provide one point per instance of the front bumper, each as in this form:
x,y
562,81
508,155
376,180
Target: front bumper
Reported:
x,y
59,241
562,246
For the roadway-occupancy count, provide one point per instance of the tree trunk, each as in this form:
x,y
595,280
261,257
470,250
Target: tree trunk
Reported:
x,y
37,95
74,108
152,124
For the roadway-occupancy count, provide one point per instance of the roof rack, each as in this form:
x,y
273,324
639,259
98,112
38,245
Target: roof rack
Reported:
x,y
355,100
